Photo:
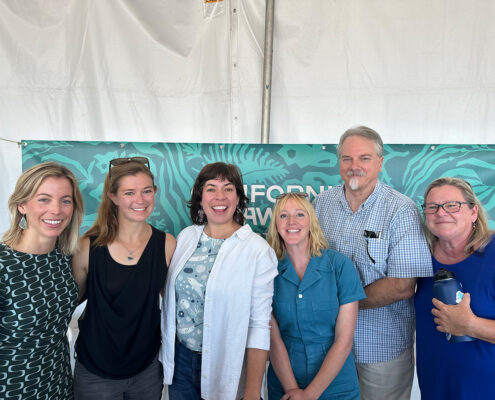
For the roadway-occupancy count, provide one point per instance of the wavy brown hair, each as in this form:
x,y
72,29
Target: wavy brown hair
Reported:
x,y
106,225
317,241
26,187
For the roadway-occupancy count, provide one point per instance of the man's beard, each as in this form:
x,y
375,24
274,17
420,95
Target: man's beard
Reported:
x,y
354,181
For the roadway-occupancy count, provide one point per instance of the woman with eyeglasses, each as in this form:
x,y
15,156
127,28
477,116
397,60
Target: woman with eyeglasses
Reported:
x,y
456,227
121,269
217,302
315,307
38,293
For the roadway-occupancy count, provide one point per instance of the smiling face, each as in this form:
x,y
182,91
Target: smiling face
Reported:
x,y
135,197
293,225
454,226
219,200
359,164
50,210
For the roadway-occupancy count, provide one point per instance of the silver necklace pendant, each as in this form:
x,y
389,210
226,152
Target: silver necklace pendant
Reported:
x,y
130,257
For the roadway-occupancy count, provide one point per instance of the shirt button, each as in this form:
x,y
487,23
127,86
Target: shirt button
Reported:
x,y
345,241
203,376
205,350
206,325
300,296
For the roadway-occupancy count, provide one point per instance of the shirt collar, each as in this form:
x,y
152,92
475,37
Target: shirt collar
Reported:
x,y
369,202
287,273
242,233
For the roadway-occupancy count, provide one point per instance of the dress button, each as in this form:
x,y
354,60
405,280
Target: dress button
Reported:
x,y
300,296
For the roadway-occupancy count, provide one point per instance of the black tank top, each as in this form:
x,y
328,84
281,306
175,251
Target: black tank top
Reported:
x,y
117,276
119,336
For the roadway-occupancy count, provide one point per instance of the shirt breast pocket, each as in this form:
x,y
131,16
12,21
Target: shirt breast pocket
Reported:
x,y
285,314
324,318
371,259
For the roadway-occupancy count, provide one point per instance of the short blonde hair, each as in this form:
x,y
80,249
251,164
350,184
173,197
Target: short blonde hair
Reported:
x,y
26,187
481,234
317,241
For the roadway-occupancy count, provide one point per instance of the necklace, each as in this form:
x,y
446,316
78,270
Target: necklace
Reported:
x,y
130,256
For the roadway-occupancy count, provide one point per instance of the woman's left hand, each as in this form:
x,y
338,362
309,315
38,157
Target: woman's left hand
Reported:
x,y
454,319
298,394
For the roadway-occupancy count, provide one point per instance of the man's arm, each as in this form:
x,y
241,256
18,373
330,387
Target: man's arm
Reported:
x,y
386,291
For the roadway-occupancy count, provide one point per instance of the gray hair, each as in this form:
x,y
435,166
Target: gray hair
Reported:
x,y
364,132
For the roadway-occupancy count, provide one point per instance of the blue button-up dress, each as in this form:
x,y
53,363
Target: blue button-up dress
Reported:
x,y
306,311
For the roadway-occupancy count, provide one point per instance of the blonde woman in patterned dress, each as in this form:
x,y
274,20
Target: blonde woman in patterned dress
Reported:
x,y
38,293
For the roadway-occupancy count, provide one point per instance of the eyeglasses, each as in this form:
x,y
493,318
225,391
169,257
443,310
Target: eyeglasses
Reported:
x,y
449,207
302,195
120,161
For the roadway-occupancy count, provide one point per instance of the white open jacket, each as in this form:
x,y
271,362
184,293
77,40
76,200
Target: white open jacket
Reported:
x,y
237,309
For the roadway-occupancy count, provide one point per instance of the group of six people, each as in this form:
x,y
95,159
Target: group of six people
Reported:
x,y
329,298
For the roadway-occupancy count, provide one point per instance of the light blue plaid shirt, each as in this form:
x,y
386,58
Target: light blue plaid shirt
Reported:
x,y
384,238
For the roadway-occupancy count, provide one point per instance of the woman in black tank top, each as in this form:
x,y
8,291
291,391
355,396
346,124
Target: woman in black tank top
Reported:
x,y
121,269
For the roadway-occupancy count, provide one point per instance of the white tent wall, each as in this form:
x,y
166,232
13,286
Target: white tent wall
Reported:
x,y
158,70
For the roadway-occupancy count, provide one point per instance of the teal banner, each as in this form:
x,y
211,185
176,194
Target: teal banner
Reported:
x,y
268,170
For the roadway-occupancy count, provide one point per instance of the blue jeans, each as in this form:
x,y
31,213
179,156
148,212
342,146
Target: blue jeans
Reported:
x,y
186,384
147,385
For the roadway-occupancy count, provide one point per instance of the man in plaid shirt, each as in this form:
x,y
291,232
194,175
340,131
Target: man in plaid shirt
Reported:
x,y
380,230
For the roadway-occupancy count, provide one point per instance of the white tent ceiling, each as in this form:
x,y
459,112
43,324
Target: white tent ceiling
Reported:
x,y
158,70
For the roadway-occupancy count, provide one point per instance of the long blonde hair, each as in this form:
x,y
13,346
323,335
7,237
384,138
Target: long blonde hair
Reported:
x,y
26,187
317,241
106,225
481,234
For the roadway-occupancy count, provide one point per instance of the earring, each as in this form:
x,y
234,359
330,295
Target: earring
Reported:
x,y
201,216
474,225
238,210
23,223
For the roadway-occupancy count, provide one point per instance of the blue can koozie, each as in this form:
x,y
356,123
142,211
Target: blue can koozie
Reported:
x,y
449,290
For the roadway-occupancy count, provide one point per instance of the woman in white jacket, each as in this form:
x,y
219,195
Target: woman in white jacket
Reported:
x,y
217,302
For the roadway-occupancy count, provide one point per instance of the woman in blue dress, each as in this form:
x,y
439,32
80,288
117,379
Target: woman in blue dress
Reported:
x,y
38,293
315,307
460,241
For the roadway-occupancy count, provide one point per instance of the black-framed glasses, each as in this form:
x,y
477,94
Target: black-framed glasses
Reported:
x,y
449,207
120,161
302,195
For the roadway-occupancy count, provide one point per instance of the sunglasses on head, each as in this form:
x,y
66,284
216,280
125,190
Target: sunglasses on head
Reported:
x,y
302,195
120,161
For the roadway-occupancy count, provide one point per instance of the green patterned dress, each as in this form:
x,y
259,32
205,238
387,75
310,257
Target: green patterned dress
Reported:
x,y
38,295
